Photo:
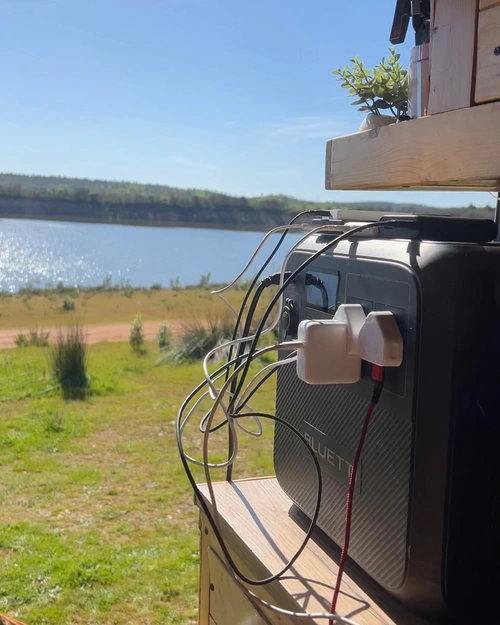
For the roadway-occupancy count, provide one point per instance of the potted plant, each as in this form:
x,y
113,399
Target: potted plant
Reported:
x,y
379,91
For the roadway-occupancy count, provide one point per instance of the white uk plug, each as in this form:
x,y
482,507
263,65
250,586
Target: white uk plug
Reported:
x,y
380,341
323,358
354,316
333,349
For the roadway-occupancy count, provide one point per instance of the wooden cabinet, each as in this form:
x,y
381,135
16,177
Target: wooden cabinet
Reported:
x,y
228,605
262,529
488,55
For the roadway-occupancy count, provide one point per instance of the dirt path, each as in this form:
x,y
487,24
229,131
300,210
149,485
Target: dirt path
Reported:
x,y
114,333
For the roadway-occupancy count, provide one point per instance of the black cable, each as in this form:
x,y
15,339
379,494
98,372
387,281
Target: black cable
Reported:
x,y
323,213
250,395
206,510
293,275
320,285
264,284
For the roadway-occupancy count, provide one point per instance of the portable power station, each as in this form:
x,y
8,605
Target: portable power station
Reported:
x,y
426,516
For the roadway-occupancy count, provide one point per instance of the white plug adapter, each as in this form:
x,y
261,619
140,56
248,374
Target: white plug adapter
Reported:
x,y
329,353
380,341
354,316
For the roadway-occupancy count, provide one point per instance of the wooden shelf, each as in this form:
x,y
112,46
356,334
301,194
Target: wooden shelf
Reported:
x,y
457,150
263,529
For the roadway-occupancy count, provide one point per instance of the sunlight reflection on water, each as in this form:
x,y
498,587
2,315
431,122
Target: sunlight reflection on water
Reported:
x,y
46,252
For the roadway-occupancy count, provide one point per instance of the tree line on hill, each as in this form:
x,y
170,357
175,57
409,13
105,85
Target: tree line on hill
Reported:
x,y
54,197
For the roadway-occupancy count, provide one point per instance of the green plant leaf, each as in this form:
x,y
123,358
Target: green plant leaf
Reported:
x,y
382,104
385,87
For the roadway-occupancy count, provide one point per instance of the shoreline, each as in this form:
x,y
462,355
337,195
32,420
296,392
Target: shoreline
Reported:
x,y
139,223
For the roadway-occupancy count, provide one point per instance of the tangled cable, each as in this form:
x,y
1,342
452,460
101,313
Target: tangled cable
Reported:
x,y
232,402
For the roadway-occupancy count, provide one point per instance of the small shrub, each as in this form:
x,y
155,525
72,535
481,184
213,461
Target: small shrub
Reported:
x,y
53,423
21,340
68,360
156,286
68,304
126,289
164,336
107,283
204,280
136,336
197,338
34,338
175,283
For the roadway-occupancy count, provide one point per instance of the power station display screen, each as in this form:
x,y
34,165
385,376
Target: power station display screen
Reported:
x,y
321,290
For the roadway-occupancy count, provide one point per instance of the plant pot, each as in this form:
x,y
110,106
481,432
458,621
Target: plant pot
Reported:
x,y
376,121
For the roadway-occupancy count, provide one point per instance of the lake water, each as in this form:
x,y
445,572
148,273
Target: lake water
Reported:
x,y
46,252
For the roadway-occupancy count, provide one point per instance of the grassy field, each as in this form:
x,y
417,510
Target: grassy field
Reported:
x,y
98,523
92,307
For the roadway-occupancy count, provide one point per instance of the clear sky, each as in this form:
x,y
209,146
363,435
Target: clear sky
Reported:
x,y
229,95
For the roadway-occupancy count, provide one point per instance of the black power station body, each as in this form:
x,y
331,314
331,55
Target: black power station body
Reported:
x,y
426,517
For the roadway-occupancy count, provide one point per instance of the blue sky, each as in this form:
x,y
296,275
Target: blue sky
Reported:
x,y
230,95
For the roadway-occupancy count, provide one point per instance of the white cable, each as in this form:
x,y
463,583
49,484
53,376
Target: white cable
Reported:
x,y
257,250
212,352
218,399
218,396
274,365
316,615
310,231
200,463
283,271
202,424
275,322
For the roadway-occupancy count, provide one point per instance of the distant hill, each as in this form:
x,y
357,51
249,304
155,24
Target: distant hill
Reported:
x,y
80,199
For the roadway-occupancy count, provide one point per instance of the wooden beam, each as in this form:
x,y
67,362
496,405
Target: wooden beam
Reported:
x,y
486,4
488,62
453,45
454,150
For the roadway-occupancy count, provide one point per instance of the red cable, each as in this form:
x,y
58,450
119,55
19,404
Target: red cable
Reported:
x,y
377,375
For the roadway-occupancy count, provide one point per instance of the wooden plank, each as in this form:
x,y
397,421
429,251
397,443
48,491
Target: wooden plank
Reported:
x,y
488,63
453,45
486,4
272,593
229,606
262,534
454,150
204,579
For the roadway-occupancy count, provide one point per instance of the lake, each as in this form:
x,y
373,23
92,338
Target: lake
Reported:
x,y
43,253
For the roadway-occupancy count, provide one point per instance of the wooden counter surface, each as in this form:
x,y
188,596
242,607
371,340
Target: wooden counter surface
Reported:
x,y
263,529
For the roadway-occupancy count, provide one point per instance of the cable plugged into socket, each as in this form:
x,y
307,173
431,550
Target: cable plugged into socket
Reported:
x,y
330,348
333,349
380,341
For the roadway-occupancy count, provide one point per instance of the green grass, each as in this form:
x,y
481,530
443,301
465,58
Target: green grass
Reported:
x,y
98,522
43,308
